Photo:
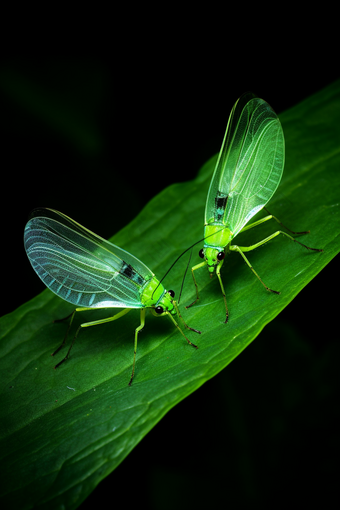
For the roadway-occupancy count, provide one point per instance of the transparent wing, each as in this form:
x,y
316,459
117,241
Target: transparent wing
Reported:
x,y
250,164
80,266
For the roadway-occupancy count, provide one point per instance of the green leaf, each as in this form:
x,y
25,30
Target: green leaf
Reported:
x,y
63,431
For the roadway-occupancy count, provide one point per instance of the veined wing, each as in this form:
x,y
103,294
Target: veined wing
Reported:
x,y
250,164
81,267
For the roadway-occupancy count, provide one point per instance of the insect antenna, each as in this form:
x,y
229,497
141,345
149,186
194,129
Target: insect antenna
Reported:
x,y
186,269
179,256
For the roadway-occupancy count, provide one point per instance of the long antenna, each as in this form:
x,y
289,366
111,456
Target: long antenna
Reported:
x,y
186,269
172,265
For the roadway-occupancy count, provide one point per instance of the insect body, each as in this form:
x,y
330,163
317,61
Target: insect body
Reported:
x,y
89,272
247,174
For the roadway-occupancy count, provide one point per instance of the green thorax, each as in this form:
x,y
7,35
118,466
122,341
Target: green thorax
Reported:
x,y
217,236
154,294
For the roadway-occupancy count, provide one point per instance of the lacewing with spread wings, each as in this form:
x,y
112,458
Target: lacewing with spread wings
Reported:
x,y
247,173
90,272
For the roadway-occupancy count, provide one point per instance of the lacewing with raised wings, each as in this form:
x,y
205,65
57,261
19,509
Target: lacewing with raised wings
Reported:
x,y
90,272
247,173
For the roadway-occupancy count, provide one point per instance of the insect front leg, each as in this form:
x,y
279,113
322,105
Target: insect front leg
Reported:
x,y
218,272
180,316
193,276
179,329
140,327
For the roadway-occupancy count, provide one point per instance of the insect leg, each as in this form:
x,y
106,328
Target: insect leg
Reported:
x,y
241,249
270,217
86,325
284,226
269,238
66,334
180,316
192,272
140,327
267,218
177,326
252,225
68,329
65,318
218,272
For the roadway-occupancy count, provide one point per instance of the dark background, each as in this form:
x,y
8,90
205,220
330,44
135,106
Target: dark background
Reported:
x,y
265,428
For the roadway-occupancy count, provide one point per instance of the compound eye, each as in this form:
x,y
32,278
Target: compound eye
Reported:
x,y
159,309
172,293
220,255
201,253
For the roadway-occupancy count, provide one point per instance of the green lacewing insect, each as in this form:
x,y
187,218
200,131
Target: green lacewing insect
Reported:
x,y
89,272
247,173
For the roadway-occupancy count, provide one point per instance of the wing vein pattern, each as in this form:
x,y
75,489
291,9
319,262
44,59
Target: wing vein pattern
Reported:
x,y
80,266
250,164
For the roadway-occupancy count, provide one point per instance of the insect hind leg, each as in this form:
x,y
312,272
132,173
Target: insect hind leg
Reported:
x,y
67,331
271,217
85,325
72,314
242,249
68,352
284,226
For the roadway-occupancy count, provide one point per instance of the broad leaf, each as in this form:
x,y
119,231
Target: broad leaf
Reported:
x,y
76,424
